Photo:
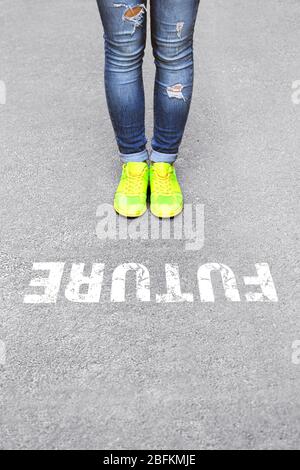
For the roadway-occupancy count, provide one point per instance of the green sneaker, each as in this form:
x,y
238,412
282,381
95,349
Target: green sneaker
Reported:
x,y
166,198
131,195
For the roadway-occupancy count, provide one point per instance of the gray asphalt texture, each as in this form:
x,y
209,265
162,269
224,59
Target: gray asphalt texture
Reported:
x,y
132,375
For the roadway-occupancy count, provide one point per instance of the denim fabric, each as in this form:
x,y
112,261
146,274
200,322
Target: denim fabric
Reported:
x,y
172,28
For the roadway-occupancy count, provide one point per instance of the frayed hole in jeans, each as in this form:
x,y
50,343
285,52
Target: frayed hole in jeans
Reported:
x,y
175,91
133,14
179,28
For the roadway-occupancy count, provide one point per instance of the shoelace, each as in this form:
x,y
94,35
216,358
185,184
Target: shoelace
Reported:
x,y
162,184
133,183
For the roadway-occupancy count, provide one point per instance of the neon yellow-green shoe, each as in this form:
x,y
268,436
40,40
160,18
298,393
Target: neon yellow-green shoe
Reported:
x,y
166,198
131,195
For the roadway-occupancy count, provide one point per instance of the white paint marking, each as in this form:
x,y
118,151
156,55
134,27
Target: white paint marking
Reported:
x,y
142,282
174,293
296,352
228,279
2,353
94,283
296,93
2,92
265,281
51,284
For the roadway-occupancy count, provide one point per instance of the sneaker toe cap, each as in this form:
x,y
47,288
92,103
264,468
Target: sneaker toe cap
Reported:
x,y
129,206
167,206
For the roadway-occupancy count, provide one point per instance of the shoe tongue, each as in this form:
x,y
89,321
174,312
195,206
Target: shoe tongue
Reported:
x,y
162,169
135,168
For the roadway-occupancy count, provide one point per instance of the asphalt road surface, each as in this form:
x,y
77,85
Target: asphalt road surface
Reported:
x,y
142,375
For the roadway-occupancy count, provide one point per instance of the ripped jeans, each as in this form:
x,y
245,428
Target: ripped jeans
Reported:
x,y
172,29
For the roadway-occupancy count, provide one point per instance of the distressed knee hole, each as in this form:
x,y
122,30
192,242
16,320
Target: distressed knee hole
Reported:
x,y
133,14
176,91
179,28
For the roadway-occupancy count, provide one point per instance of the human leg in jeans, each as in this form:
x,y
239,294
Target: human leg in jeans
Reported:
x,y
172,27
172,30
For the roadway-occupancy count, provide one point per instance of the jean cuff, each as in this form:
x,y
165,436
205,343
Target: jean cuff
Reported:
x,y
134,157
158,157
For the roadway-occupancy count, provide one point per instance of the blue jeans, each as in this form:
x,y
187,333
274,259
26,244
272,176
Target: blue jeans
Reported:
x,y
172,29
